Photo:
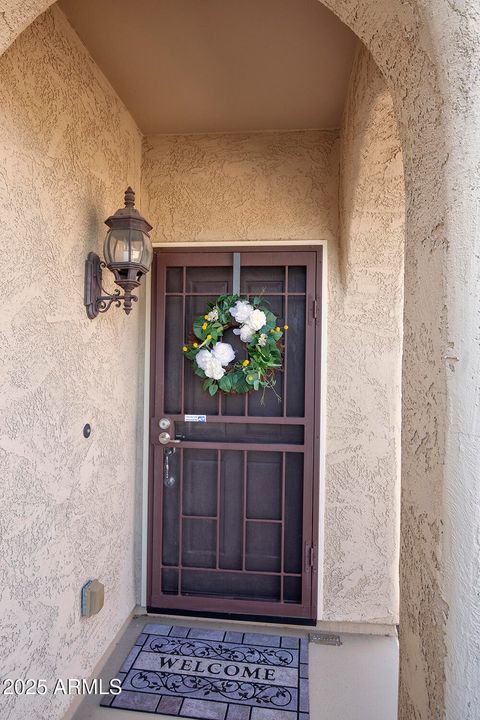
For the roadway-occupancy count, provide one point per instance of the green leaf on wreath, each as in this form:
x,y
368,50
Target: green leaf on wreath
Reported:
x,y
197,328
225,383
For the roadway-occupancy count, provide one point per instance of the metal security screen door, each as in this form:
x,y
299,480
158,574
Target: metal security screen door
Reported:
x,y
233,501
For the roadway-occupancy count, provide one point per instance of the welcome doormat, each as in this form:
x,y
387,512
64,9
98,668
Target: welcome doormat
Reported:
x,y
214,675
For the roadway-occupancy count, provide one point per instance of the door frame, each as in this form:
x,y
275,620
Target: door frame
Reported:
x,y
320,429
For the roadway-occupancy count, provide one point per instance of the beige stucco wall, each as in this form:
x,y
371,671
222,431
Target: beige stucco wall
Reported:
x,y
68,149
364,359
285,186
428,51
242,187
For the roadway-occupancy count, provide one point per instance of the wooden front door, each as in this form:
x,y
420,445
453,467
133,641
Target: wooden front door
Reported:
x,y
233,519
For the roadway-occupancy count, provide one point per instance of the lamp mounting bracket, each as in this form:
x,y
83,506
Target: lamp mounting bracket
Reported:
x,y
96,299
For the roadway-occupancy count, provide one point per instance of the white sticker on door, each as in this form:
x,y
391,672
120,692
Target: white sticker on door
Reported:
x,y
195,418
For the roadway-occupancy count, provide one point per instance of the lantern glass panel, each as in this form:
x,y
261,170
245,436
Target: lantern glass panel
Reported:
x,y
141,248
147,256
117,246
128,246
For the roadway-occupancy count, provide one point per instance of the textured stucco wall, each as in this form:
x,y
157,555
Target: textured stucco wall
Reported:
x,y
68,149
364,359
263,186
428,52
275,186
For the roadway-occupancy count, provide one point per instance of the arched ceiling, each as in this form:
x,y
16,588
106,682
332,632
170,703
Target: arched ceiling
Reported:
x,y
185,66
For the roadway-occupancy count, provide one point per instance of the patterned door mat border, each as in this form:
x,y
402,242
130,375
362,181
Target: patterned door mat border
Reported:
x,y
214,675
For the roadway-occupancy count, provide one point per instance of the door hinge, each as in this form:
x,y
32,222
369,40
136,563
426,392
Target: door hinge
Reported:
x,y
315,309
310,557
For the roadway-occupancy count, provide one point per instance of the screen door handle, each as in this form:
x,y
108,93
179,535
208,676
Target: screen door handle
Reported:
x,y
168,480
164,439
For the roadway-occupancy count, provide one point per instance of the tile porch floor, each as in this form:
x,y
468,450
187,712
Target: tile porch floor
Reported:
x,y
356,681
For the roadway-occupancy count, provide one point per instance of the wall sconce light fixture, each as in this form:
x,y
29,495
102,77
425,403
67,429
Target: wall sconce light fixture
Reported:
x,y
128,255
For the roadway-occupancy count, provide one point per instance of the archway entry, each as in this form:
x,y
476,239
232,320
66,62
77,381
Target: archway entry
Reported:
x,y
412,48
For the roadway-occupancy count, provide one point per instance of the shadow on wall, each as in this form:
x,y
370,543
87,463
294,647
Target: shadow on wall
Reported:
x,y
371,192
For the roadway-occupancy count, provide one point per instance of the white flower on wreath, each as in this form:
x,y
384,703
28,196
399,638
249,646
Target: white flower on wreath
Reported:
x,y
257,320
262,340
202,357
224,353
246,333
213,368
241,311
212,315
210,365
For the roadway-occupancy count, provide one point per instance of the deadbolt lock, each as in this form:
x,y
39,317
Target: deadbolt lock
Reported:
x,y
164,424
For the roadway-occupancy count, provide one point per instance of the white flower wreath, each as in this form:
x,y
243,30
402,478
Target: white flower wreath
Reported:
x,y
213,360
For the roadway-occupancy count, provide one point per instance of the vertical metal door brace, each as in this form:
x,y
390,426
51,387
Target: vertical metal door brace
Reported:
x,y
309,557
236,273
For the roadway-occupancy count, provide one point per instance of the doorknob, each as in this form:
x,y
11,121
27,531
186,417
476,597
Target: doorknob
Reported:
x,y
164,438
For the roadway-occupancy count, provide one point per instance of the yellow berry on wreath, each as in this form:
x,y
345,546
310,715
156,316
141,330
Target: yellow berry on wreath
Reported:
x,y
195,345
245,363
209,337
250,377
185,348
204,326
285,327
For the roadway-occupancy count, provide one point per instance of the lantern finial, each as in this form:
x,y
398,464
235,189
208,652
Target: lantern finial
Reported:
x,y
129,197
